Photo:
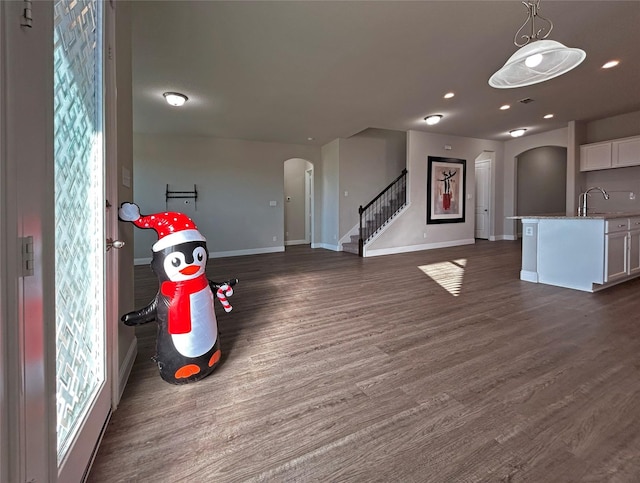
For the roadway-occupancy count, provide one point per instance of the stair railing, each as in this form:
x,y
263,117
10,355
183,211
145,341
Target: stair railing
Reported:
x,y
375,214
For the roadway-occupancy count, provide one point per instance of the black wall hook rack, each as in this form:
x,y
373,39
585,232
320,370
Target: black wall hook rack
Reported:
x,y
191,195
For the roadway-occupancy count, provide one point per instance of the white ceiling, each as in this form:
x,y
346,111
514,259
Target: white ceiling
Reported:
x,y
287,71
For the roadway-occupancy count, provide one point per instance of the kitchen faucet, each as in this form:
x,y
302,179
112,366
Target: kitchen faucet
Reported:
x,y
582,199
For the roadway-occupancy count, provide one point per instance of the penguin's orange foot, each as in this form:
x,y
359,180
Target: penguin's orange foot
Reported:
x,y
186,371
215,357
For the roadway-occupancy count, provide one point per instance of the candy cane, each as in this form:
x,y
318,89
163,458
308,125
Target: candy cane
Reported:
x,y
225,289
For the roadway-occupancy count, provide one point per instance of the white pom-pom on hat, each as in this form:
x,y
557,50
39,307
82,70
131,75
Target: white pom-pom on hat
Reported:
x,y
129,212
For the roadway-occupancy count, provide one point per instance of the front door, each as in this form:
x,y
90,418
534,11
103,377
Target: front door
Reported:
x,y
83,388
55,291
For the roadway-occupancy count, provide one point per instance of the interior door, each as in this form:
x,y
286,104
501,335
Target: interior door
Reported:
x,y
483,198
83,346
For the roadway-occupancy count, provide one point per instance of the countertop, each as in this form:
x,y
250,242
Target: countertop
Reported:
x,y
590,216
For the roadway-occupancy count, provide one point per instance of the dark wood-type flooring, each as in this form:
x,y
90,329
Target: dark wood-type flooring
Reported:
x,y
338,368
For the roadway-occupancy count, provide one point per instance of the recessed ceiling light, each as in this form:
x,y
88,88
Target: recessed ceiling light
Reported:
x,y
611,63
505,107
548,116
175,98
449,95
516,133
435,119
310,139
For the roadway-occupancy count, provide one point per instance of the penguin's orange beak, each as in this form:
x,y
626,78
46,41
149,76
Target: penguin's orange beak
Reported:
x,y
190,270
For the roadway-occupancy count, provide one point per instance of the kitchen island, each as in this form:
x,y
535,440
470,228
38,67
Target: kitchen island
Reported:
x,y
586,253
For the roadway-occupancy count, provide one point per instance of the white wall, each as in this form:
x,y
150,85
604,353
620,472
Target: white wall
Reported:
x,y
408,231
512,149
618,182
614,127
368,163
330,202
542,181
236,181
294,204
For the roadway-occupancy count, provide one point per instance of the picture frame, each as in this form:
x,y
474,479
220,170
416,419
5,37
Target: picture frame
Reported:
x,y
446,190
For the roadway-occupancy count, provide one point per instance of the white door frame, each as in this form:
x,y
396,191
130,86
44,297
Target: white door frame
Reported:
x,y
308,206
111,195
4,393
29,301
488,196
487,157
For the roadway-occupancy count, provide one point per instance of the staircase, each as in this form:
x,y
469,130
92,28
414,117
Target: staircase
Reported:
x,y
378,213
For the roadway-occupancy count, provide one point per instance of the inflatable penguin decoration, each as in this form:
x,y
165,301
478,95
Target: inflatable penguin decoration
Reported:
x,y
187,347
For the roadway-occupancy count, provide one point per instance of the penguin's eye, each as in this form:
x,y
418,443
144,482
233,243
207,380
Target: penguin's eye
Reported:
x,y
199,254
176,262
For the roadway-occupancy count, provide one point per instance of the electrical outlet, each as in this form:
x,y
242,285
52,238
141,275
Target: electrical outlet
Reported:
x,y
632,195
275,238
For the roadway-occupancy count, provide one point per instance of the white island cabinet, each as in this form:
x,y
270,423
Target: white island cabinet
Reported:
x,y
583,253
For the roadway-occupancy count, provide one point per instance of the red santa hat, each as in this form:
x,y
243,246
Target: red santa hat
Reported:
x,y
172,228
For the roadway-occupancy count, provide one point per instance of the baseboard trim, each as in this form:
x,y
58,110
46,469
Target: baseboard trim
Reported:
x,y
295,242
503,237
251,251
326,246
417,248
127,365
529,276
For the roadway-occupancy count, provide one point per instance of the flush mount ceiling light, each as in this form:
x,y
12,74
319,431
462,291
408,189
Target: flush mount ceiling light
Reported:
x,y
435,119
537,60
175,98
516,133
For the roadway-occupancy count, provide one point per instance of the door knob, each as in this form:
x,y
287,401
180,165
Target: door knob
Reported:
x,y
111,243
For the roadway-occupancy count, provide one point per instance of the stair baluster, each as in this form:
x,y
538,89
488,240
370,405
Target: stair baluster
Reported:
x,y
375,214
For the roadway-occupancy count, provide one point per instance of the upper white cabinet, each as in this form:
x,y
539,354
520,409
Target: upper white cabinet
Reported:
x,y
610,154
625,152
595,156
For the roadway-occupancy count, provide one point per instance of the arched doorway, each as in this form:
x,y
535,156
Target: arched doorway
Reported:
x,y
298,202
541,181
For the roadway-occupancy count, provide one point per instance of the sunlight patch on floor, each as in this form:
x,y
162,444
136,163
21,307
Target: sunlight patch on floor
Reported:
x,y
448,274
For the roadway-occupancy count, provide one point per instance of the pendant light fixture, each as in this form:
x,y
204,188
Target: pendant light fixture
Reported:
x,y
537,60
